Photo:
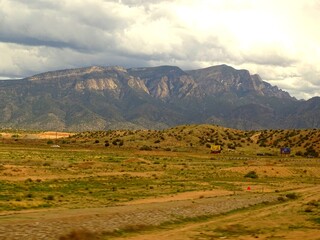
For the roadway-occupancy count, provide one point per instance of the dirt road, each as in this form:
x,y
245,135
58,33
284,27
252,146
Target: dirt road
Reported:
x,y
52,224
281,221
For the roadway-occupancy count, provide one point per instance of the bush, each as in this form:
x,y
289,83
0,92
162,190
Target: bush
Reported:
x,y
49,197
251,174
314,203
308,210
29,195
79,235
292,196
310,152
231,146
145,148
118,142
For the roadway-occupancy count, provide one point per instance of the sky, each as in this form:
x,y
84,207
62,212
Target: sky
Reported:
x,y
277,39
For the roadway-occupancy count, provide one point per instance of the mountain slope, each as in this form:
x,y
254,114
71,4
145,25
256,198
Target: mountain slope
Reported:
x,y
98,98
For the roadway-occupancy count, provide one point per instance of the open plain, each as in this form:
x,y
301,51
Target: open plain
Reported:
x,y
159,185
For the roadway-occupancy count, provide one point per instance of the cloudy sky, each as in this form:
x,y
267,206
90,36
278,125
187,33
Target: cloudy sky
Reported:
x,y
278,39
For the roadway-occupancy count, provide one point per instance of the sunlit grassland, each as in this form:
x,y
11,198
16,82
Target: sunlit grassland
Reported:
x,y
34,175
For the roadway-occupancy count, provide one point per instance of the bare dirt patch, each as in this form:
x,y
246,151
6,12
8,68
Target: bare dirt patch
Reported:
x,y
53,135
40,135
269,171
183,196
137,160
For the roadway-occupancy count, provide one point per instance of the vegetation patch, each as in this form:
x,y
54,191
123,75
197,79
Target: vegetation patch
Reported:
x,y
251,174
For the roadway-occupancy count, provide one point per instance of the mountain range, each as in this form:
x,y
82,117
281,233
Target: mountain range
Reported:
x,y
100,98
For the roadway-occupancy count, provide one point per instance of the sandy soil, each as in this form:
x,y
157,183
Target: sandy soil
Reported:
x,y
183,196
41,135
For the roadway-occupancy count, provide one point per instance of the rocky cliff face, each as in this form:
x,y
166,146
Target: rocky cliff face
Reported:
x,y
165,82
157,97
225,79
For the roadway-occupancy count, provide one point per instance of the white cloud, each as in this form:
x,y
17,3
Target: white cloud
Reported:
x,y
279,39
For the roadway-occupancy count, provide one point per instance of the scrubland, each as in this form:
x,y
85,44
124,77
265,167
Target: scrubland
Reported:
x,y
165,184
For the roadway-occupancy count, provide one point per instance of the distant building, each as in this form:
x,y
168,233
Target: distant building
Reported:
x,y
285,150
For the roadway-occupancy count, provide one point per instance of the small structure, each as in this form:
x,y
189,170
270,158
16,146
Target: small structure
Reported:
x,y
215,149
285,150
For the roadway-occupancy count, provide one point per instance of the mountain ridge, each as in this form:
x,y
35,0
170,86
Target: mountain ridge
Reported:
x,y
108,97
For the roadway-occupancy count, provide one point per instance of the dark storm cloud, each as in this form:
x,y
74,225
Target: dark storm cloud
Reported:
x,y
41,35
56,25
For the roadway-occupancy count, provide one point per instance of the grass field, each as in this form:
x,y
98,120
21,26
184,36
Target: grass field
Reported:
x,y
104,170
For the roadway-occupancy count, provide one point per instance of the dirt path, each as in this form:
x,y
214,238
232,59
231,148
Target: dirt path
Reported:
x,y
52,224
260,218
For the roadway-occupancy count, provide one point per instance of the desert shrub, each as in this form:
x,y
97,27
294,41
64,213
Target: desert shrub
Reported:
x,y
262,144
145,148
79,235
118,142
231,146
235,230
49,197
308,210
28,180
29,195
96,141
316,220
314,203
50,142
292,195
311,152
251,174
